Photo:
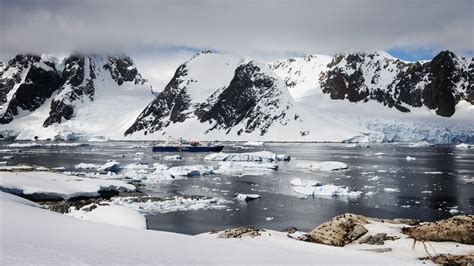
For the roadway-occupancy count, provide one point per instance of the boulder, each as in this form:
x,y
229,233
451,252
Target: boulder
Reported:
x,y
378,239
339,231
458,229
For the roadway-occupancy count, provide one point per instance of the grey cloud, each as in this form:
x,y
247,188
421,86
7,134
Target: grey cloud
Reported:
x,y
235,26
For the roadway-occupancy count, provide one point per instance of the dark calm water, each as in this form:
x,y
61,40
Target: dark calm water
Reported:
x,y
278,200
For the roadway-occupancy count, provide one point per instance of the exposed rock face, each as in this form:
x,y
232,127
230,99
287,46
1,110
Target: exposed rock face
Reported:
x,y
438,84
339,231
250,100
458,229
77,82
171,106
27,82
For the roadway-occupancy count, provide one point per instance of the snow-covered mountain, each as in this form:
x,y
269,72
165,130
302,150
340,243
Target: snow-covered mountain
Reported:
x,y
367,96
213,96
392,99
82,95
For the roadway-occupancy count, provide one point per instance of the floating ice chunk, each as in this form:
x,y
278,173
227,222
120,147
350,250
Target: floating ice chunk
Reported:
x,y
469,180
247,197
253,143
326,190
7,157
111,166
426,192
324,166
173,158
434,173
268,219
86,166
464,146
420,144
249,156
3,163
246,168
379,154
389,189
191,170
454,210
374,178
409,158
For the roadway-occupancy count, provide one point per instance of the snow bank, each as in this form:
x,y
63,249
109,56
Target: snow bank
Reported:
x,y
170,204
246,168
50,185
260,156
324,166
109,213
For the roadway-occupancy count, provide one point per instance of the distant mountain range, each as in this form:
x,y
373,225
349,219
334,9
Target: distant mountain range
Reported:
x,y
368,96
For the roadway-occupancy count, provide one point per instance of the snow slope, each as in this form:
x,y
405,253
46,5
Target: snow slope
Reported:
x,y
31,235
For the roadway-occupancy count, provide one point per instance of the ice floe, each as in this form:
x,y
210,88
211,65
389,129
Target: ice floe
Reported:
x,y
420,144
299,182
389,189
170,204
86,166
247,197
464,146
329,190
111,166
253,143
409,158
324,166
260,156
245,168
191,170
53,144
51,185
173,158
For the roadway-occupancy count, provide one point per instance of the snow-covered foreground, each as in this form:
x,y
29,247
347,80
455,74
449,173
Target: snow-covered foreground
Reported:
x,y
31,235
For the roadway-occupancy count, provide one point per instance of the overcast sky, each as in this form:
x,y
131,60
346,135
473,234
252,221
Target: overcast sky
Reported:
x,y
160,35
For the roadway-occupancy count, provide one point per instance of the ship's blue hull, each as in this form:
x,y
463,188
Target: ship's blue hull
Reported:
x,y
188,148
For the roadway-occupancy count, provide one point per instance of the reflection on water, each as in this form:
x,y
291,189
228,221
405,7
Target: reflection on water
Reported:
x,y
428,186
